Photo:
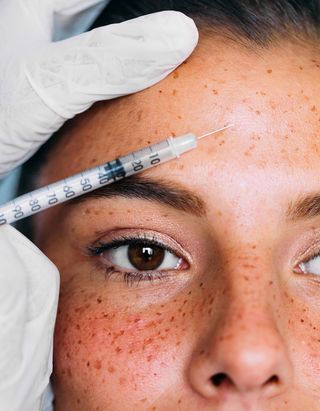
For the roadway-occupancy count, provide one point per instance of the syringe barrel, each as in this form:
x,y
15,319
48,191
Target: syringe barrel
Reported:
x,y
94,178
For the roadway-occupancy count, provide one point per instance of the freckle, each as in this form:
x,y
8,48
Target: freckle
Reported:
x,y
179,117
110,212
158,313
139,115
88,364
93,161
111,369
97,364
190,292
215,92
201,352
78,327
87,211
175,75
205,86
302,320
270,282
174,92
79,342
160,91
181,167
300,67
269,71
69,372
172,319
149,358
148,142
179,401
99,300
210,311
258,112
128,211
313,108
173,134
143,400
201,285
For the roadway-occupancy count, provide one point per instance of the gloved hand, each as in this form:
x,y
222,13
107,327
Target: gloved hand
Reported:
x,y
42,84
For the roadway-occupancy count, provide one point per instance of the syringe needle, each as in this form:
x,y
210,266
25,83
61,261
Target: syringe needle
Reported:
x,y
215,131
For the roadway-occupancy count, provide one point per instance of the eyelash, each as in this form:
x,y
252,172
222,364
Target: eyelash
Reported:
x,y
132,277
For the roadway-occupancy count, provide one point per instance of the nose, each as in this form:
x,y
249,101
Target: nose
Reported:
x,y
241,355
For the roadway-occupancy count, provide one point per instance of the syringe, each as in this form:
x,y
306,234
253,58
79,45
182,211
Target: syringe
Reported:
x,y
99,176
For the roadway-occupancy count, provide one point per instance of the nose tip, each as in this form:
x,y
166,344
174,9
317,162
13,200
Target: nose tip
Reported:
x,y
241,368
252,371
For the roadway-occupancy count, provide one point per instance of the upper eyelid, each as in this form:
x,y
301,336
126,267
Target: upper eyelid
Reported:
x,y
311,252
126,240
145,234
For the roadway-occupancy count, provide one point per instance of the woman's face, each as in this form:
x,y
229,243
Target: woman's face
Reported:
x,y
203,291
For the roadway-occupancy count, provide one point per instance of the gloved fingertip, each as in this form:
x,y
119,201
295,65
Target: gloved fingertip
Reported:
x,y
187,33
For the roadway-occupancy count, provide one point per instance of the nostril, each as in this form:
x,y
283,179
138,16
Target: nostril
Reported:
x,y
219,379
274,379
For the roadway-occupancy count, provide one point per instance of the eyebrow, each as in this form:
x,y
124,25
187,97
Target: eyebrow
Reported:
x,y
304,207
161,191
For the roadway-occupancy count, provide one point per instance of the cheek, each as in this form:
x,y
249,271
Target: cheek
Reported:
x,y
140,354
301,331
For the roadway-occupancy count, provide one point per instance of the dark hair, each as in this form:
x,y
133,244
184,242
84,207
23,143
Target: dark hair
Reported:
x,y
254,22
259,21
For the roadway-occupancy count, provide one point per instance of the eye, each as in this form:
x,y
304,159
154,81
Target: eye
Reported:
x,y
142,256
311,266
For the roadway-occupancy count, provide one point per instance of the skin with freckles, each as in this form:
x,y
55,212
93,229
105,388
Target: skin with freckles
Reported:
x,y
236,324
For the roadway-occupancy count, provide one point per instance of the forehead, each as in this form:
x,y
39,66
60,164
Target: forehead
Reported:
x,y
271,96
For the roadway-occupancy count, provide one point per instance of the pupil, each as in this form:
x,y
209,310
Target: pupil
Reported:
x,y
145,256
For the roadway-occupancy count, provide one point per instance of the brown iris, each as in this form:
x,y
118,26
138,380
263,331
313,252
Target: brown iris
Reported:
x,y
145,256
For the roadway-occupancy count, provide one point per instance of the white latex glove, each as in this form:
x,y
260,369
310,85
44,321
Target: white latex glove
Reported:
x,y
41,85
29,285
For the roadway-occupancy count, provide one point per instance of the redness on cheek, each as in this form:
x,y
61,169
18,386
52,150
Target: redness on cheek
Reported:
x,y
94,344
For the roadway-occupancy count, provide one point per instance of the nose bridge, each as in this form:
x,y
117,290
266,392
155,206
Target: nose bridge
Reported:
x,y
243,350
246,321
245,324
246,277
